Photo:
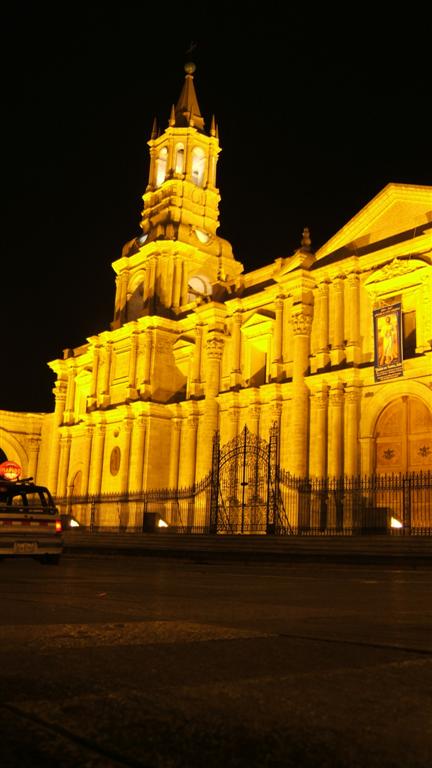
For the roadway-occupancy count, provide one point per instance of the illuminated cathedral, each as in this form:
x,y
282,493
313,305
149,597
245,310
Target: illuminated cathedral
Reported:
x,y
332,349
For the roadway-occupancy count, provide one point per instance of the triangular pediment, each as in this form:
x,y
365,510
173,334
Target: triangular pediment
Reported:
x,y
261,316
184,342
398,208
301,259
262,319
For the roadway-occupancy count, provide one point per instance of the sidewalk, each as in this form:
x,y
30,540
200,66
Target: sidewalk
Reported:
x,y
398,550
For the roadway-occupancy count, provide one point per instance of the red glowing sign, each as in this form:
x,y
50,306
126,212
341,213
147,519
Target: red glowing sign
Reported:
x,y
10,470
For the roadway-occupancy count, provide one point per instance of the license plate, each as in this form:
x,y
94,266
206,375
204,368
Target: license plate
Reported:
x,y
25,547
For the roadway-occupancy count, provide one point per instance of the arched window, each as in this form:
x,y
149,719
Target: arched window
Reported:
x,y
198,166
199,287
161,166
179,158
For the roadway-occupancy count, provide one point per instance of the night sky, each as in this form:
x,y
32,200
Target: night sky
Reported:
x,y
344,98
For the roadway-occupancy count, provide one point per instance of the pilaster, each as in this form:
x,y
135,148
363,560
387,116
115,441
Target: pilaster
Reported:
x,y
97,455
144,385
337,353
298,460
235,375
92,398
65,449
336,413
132,392
276,367
351,445
59,392
105,393
353,341
323,354
319,433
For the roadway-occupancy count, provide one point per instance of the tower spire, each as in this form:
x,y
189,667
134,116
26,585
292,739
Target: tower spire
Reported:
x,y
187,111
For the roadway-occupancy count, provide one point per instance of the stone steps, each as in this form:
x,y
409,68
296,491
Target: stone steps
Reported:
x,y
389,548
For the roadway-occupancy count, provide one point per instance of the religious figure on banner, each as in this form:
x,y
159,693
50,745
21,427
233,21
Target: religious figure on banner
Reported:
x,y
388,342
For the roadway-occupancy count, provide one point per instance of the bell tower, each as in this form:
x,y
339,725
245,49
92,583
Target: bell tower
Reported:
x,y
178,258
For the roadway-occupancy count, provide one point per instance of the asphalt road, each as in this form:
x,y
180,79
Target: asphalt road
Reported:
x,y
135,661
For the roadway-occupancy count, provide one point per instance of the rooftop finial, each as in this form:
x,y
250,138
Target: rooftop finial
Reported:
x,y
189,68
306,241
187,111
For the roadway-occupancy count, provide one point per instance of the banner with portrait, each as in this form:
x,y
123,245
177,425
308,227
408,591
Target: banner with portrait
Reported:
x,y
388,342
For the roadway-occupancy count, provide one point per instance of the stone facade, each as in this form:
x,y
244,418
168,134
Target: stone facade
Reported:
x,y
197,344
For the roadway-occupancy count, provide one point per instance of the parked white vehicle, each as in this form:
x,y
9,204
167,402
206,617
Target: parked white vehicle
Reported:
x,y
30,523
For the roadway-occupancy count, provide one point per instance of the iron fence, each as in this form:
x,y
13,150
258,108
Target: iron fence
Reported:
x,y
398,504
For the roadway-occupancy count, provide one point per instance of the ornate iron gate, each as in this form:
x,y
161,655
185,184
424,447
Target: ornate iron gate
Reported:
x,y
244,489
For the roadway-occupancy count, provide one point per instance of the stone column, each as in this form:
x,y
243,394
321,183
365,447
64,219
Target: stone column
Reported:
x,y
65,448
97,455
136,468
235,376
184,283
335,456
124,280
86,454
337,353
233,422
299,427
323,356
34,445
285,443
68,416
188,458
132,389
276,368
177,280
196,362
253,418
275,415
148,288
152,171
59,392
188,451
105,399
174,465
351,445
319,433
353,341
174,453
210,420
351,453
92,398
318,458
124,513
144,387
125,454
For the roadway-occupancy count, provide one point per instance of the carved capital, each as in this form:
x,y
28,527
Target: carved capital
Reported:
x,y
353,280
214,347
352,396
301,324
321,399
337,396
254,411
323,290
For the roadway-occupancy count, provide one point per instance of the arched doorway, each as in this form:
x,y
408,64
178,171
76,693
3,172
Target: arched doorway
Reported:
x,y
403,443
403,437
